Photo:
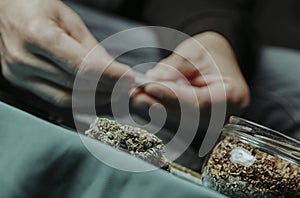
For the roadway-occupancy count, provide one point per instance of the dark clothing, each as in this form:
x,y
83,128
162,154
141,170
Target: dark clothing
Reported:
x,y
227,17
247,24
278,23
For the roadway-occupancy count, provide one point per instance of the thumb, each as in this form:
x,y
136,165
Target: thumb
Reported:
x,y
97,58
75,27
172,68
98,61
118,70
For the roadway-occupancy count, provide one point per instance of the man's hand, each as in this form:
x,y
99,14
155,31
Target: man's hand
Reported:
x,y
43,44
197,76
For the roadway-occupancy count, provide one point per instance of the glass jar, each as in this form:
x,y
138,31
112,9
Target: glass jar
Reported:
x,y
251,160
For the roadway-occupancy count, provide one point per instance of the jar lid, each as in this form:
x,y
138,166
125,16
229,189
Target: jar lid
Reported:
x,y
266,139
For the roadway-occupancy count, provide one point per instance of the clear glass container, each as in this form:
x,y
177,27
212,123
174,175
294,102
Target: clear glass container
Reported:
x,y
251,160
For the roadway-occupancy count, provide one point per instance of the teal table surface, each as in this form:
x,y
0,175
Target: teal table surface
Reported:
x,y
39,159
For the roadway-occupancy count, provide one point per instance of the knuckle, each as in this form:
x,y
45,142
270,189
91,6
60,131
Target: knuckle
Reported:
x,y
6,73
229,89
238,94
34,29
80,67
202,102
230,94
245,97
10,76
62,100
13,55
50,36
37,33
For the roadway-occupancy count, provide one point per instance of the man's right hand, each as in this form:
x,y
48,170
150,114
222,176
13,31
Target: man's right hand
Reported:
x,y
199,76
43,44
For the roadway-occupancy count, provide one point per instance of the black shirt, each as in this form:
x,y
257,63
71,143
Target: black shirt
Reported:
x,y
246,24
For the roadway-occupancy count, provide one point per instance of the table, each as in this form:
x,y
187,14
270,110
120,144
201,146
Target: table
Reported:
x,y
40,159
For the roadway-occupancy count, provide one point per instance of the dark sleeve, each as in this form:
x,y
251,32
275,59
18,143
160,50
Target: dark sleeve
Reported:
x,y
230,18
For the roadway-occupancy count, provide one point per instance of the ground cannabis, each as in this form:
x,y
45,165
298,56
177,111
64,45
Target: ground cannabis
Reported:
x,y
133,140
139,143
268,176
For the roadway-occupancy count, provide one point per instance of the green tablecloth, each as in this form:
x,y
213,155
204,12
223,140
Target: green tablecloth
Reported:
x,y
39,159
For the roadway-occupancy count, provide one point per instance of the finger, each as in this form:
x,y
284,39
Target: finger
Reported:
x,y
198,97
172,68
135,91
75,27
24,64
101,82
72,57
48,40
143,100
62,97
161,91
78,30
236,94
50,91
162,71
205,80
41,67
39,87
87,97
188,58
113,70
1,45
34,66
172,93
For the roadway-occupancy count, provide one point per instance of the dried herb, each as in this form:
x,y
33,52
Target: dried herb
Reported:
x,y
268,176
133,140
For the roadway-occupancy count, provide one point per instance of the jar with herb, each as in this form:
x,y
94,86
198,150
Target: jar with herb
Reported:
x,y
251,160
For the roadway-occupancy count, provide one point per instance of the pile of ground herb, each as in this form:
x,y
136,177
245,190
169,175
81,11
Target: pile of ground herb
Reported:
x,y
133,140
268,176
